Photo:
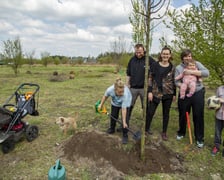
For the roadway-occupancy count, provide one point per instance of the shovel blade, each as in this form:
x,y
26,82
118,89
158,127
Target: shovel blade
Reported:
x,y
137,136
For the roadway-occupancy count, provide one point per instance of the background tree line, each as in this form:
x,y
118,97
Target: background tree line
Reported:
x,y
199,28
14,56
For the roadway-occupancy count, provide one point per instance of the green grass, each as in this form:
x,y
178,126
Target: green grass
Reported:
x,y
33,160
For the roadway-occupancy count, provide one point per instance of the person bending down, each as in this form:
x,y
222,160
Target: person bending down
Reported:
x,y
120,99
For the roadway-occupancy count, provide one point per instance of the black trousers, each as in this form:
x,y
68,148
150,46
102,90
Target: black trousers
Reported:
x,y
196,104
151,109
114,118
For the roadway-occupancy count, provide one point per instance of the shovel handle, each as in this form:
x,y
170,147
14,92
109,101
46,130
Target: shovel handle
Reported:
x,y
189,127
119,121
104,111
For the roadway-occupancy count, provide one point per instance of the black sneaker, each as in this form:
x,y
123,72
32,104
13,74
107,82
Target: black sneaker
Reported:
x,y
125,140
110,131
164,136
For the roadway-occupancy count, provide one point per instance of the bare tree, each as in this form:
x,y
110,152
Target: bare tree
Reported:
x,y
119,48
12,53
30,57
147,11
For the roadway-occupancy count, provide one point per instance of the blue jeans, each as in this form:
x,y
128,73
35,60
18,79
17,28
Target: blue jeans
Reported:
x,y
219,125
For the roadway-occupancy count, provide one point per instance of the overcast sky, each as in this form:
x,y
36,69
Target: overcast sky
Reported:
x,y
72,27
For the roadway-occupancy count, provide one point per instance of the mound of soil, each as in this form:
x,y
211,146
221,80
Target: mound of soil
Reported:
x,y
105,150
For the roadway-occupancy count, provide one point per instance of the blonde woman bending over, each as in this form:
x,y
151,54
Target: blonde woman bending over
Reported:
x,y
120,99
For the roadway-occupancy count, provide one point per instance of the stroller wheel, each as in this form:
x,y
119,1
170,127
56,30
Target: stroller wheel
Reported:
x,y
31,133
8,146
35,113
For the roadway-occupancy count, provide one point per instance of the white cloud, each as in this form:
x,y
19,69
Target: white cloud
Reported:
x,y
5,26
69,27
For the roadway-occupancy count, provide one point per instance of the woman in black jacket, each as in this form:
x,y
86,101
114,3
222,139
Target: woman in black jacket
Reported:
x,y
161,88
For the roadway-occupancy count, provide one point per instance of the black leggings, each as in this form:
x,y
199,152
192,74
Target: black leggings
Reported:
x,y
114,118
151,109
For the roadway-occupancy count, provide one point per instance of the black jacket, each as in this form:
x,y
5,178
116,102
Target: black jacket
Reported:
x,y
136,71
162,80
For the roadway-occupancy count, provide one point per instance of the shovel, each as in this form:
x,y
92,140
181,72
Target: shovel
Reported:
x,y
189,127
136,135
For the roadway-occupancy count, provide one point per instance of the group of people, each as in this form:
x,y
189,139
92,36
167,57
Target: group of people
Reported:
x,y
163,79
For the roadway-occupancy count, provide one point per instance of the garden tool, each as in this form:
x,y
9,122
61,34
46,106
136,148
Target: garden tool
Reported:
x,y
189,127
136,135
57,172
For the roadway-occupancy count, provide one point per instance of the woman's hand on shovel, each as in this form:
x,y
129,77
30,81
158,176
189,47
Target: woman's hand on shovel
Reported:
x,y
125,125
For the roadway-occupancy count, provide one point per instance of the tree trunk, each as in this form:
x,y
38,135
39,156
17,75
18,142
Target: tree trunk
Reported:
x,y
146,80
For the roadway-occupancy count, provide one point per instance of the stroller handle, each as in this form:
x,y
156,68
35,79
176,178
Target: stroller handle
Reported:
x,y
22,86
29,84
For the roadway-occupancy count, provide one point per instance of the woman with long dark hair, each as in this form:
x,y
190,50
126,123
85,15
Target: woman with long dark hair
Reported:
x,y
161,89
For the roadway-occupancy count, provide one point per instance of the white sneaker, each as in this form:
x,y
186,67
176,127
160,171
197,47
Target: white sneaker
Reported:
x,y
200,144
179,137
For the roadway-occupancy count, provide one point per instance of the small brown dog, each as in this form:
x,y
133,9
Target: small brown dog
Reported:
x,y
67,122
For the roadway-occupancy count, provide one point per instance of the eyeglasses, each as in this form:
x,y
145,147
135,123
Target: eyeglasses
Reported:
x,y
166,54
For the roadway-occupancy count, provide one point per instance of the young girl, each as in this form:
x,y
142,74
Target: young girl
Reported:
x,y
219,122
120,99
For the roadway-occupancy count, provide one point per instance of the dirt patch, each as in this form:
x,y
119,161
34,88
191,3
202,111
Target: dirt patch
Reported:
x,y
107,151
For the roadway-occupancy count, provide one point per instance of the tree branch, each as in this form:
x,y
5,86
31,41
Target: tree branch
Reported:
x,y
160,17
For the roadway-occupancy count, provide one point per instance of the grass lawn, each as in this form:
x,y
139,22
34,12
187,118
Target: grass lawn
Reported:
x,y
32,160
